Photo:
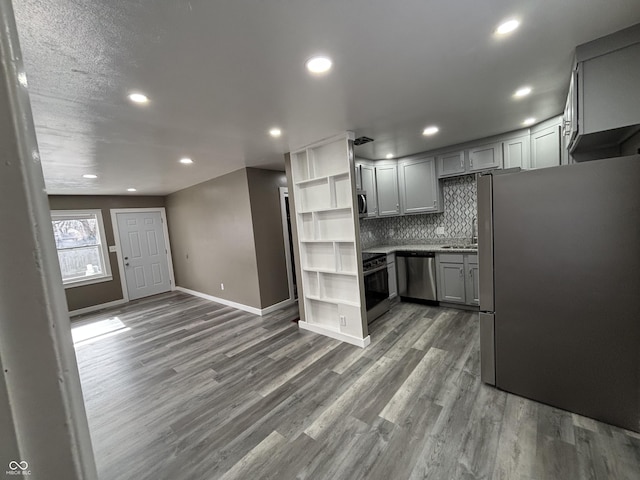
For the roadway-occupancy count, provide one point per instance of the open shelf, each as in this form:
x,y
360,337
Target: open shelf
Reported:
x,y
326,270
333,301
328,209
329,159
312,181
324,205
314,196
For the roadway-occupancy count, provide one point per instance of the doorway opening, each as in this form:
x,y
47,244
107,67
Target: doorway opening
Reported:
x,y
288,243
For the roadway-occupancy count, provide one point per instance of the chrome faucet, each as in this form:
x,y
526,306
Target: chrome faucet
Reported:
x,y
474,230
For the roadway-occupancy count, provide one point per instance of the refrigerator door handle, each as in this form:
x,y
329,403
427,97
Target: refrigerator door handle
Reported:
x,y
487,348
485,242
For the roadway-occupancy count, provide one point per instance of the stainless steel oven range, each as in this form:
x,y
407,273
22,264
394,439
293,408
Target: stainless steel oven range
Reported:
x,y
376,284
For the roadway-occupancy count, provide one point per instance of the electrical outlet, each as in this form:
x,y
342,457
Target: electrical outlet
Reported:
x,y
343,321
440,231
222,286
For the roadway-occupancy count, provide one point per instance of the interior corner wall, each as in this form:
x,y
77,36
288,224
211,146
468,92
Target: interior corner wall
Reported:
x,y
631,146
103,292
212,239
266,215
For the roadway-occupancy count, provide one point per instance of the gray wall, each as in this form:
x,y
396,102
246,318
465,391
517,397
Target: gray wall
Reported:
x,y
99,293
460,206
212,239
266,216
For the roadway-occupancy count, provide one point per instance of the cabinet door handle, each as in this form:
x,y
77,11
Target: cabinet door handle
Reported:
x,y
461,272
471,272
434,203
461,162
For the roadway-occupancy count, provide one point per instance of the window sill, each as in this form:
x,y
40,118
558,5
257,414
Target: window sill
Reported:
x,y
89,281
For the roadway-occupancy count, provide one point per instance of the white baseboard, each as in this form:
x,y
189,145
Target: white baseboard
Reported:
x,y
239,306
343,337
278,306
95,308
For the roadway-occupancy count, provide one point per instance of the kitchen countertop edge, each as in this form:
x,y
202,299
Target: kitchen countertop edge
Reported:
x,y
387,249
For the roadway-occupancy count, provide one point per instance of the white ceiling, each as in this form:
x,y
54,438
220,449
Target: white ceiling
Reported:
x,y
221,73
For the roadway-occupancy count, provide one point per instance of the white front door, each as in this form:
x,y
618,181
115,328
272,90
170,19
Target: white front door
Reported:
x,y
144,253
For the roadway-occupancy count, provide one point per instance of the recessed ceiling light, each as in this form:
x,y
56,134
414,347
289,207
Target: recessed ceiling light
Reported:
x,y
507,27
319,64
522,92
389,155
529,121
186,161
138,98
430,130
89,175
275,132
131,190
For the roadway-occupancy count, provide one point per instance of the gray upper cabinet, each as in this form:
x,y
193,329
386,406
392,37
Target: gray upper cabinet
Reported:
x,y
387,190
368,184
570,117
516,152
610,90
545,147
358,176
450,164
420,190
604,106
471,160
485,157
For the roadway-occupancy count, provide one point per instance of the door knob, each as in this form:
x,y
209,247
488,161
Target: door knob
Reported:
x,y
126,258
126,264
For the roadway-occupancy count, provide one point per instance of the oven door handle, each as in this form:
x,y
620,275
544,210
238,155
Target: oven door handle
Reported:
x,y
375,270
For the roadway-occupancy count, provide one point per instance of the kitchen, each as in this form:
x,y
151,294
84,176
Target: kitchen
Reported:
x,y
453,255
456,229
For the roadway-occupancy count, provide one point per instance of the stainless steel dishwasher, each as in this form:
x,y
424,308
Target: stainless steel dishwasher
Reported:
x,y
416,275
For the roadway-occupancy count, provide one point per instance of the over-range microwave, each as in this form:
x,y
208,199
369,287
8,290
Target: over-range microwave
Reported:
x,y
361,195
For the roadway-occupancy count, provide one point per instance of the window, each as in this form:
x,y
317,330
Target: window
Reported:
x,y
81,244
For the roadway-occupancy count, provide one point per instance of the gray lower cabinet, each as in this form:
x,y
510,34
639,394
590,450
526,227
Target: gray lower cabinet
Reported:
x,y
451,164
451,282
387,190
420,190
458,278
472,281
485,157
516,152
393,277
545,147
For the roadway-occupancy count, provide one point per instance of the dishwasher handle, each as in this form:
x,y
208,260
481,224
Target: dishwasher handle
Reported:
x,y
416,254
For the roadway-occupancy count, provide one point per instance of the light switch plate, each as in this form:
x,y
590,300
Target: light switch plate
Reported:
x,y
113,248
440,231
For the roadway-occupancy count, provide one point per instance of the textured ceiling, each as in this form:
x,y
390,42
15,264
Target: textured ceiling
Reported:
x,y
221,73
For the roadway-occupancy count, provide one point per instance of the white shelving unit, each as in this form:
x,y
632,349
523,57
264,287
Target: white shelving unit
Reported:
x,y
326,220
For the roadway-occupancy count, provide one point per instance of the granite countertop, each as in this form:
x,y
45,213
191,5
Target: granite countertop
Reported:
x,y
390,248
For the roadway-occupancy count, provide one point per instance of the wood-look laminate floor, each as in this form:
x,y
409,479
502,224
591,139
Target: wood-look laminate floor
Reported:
x,y
196,390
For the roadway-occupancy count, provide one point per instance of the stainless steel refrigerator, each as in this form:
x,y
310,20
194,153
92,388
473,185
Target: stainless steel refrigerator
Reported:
x,y
559,258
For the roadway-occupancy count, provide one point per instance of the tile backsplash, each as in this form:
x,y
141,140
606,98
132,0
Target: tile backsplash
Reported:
x,y
460,206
